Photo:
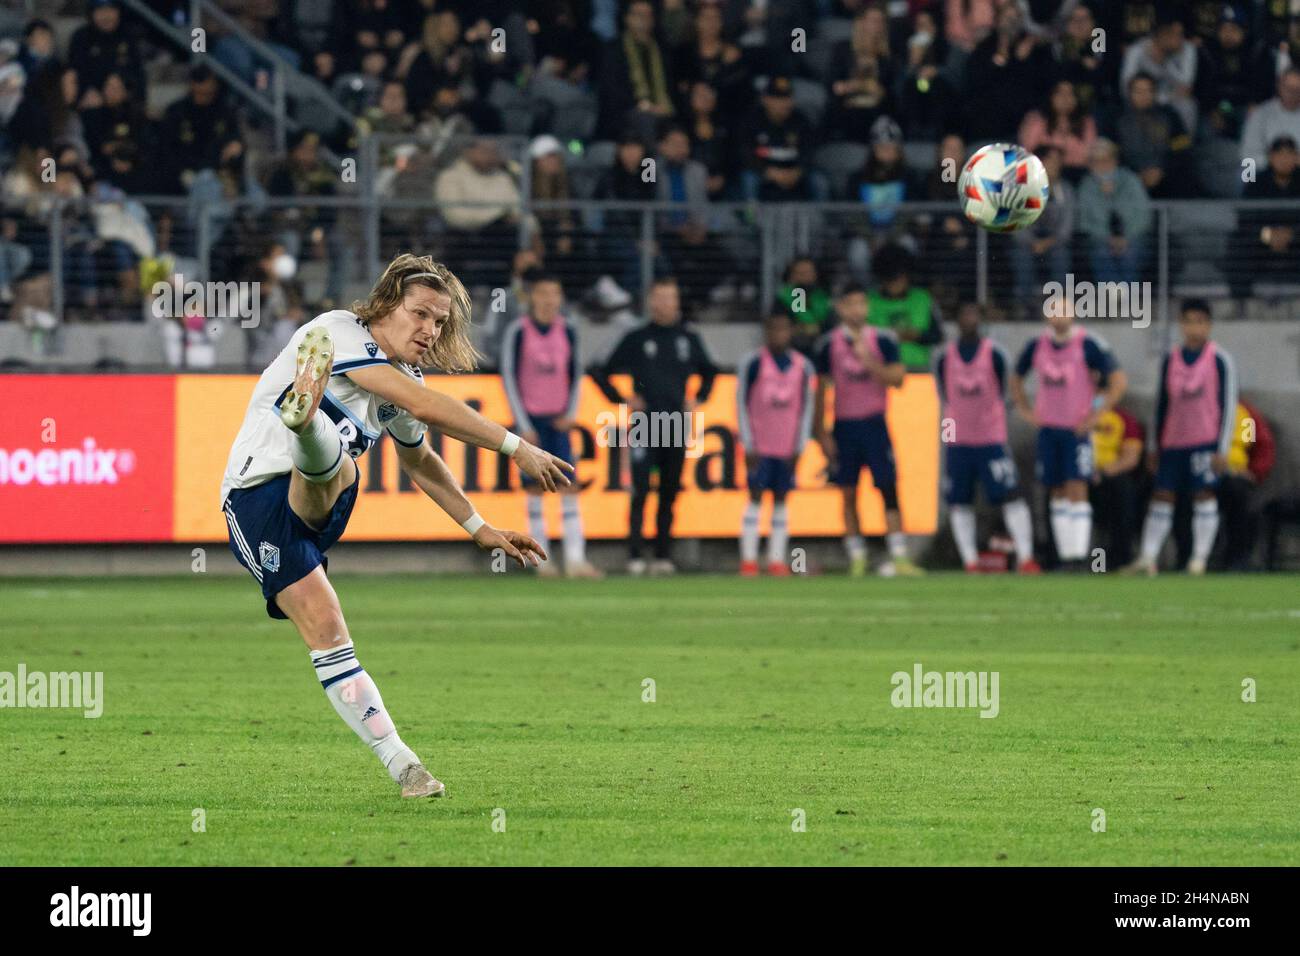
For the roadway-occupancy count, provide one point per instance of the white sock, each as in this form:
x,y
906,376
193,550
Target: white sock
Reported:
x,y
537,522
318,450
855,547
1081,524
749,532
1016,515
1205,526
963,532
1062,529
897,544
779,540
356,698
575,542
1160,518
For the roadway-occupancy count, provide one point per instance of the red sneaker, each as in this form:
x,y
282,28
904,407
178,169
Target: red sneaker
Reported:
x,y
1029,566
749,569
778,570
973,568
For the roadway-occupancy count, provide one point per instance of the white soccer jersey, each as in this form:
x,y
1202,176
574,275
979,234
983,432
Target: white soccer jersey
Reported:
x,y
262,447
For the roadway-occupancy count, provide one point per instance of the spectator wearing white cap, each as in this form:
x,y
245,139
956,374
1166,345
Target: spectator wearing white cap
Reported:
x,y
557,228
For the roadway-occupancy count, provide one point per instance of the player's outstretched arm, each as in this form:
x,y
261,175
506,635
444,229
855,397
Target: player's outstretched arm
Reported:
x,y
432,476
457,420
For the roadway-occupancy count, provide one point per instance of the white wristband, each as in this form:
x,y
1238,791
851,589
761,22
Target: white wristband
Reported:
x,y
509,443
473,523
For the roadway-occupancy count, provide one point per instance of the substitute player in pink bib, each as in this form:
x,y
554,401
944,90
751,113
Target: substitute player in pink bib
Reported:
x,y
542,377
1077,379
971,374
862,363
774,409
1195,409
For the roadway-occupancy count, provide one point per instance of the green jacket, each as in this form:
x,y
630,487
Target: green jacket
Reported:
x,y
915,310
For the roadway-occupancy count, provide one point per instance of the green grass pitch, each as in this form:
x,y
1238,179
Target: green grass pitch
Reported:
x,y
771,697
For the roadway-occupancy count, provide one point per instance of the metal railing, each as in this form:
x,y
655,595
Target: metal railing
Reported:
x,y
730,257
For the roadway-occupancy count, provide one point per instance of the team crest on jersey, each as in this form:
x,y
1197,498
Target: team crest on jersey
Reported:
x,y
372,348
269,556
387,412
651,349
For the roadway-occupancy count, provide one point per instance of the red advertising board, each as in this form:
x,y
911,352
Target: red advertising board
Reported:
x,y
86,457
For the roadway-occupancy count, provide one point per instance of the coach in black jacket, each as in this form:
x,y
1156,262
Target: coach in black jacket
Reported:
x,y
660,356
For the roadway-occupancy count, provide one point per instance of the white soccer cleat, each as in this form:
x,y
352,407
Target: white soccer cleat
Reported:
x,y
636,567
583,569
1196,567
416,781
315,362
1140,567
547,569
662,567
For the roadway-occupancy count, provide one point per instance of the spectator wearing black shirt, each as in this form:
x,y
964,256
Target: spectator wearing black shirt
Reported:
x,y
710,58
103,46
1087,62
1231,76
863,75
635,82
711,142
625,180
777,147
1154,143
948,239
47,114
38,51
118,135
199,133
1267,245
1005,76
661,356
927,100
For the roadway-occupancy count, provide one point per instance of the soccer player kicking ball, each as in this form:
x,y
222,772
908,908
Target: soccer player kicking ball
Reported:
x,y
540,372
774,405
291,479
972,374
863,363
1071,365
1196,405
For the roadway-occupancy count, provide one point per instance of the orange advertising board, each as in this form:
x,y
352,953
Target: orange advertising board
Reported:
x,y
210,409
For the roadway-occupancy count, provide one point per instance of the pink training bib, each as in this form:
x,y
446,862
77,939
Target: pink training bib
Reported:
x,y
857,394
544,368
973,397
1192,416
1065,388
776,406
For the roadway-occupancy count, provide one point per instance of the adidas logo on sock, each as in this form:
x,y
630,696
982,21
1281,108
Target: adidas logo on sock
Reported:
x,y
370,712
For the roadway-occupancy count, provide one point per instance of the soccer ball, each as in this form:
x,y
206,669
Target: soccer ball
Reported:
x,y
1002,187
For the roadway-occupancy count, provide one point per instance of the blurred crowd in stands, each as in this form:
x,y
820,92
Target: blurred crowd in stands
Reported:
x,y
858,101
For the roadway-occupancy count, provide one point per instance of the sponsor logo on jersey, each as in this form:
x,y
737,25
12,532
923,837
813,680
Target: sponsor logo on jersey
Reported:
x,y
269,556
87,465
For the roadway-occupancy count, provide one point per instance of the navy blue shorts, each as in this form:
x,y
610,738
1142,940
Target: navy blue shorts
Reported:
x,y
273,543
1063,456
863,443
772,474
990,465
1187,469
551,439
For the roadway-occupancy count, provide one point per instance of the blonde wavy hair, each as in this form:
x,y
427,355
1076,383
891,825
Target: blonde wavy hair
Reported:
x,y
452,351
